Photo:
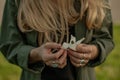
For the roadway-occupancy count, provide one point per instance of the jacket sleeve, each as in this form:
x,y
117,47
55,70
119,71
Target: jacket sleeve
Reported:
x,y
12,43
103,39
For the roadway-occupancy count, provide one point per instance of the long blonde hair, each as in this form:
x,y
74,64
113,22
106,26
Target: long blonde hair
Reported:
x,y
51,18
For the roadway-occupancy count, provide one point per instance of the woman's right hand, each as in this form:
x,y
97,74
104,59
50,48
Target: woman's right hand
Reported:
x,y
44,53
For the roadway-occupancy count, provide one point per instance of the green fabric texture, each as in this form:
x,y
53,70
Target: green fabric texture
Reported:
x,y
16,46
13,45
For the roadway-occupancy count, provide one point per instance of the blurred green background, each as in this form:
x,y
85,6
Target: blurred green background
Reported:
x,y
109,70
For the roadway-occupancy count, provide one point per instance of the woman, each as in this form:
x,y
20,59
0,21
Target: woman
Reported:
x,y
33,33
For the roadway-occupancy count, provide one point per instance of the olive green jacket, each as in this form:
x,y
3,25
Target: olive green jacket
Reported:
x,y
16,46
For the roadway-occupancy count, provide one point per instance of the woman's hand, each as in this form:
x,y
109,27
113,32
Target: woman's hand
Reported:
x,y
44,53
83,54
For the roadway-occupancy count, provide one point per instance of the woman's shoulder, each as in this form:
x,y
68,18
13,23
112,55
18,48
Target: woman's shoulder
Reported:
x,y
13,1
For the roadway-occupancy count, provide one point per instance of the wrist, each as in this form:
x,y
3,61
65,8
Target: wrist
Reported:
x,y
94,52
34,56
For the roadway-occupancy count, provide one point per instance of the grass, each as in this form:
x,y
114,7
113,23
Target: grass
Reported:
x,y
109,70
8,71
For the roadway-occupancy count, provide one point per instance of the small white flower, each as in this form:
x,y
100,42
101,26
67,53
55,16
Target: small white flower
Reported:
x,y
72,45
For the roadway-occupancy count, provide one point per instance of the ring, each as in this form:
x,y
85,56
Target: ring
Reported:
x,y
54,64
82,61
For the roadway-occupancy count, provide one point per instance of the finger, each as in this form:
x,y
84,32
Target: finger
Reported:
x,y
63,65
55,55
77,61
80,55
83,48
76,54
63,58
86,55
59,53
50,63
74,64
78,64
51,45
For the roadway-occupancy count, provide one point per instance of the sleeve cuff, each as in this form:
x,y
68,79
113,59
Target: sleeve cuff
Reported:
x,y
101,55
23,59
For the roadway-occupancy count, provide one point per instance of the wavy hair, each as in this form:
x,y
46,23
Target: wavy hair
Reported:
x,y
51,18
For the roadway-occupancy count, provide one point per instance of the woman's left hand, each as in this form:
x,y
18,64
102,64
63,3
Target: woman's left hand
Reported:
x,y
83,54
